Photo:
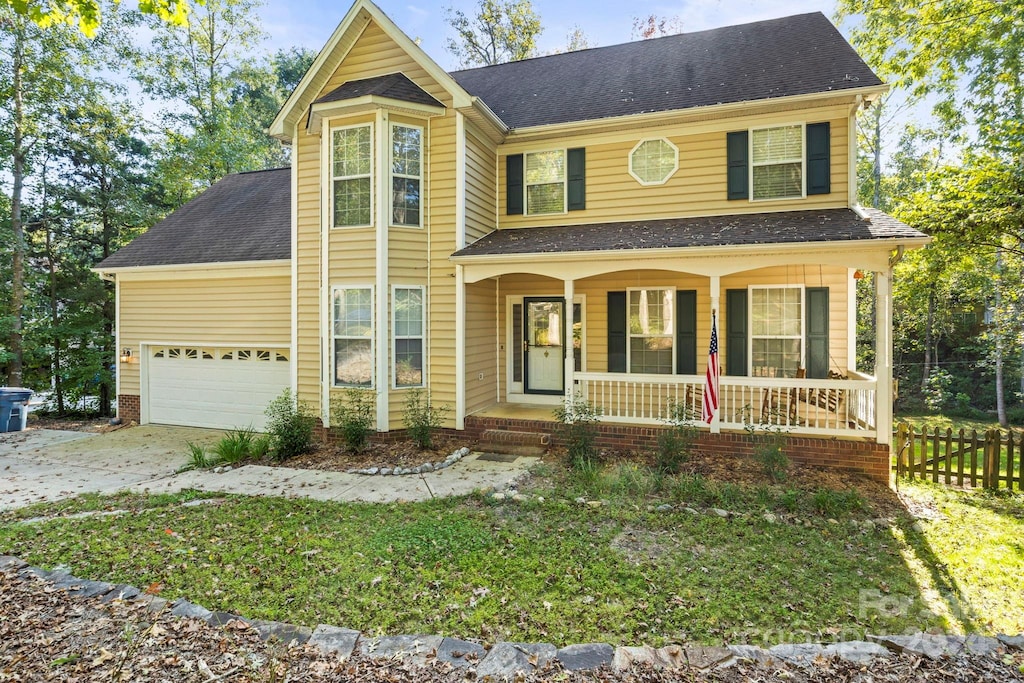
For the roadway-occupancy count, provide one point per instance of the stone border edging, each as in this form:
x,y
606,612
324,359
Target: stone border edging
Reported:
x,y
455,456
507,660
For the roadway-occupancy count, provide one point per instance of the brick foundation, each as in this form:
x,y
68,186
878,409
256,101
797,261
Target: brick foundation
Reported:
x,y
128,408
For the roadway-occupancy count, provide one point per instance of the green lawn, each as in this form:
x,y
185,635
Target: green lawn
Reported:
x,y
557,570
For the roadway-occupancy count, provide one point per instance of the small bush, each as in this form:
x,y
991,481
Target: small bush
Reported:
x,y
261,447
675,443
290,425
354,417
235,446
790,500
769,449
422,419
835,503
578,429
198,458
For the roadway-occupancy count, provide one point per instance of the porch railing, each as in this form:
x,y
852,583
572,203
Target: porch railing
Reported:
x,y
826,407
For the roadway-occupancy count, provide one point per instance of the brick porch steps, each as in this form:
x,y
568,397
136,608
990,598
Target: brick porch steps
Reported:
x,y
514,442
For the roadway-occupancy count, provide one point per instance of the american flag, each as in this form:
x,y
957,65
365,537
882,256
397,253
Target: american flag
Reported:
x,y
711,378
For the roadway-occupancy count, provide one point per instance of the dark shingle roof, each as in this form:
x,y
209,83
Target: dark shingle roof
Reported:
x,y
395,86
242,217
794,55
787,227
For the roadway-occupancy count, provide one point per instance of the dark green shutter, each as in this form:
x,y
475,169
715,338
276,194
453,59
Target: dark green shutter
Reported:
x,y
616,331
686,332
514,184
736,152
817,332
736,332
577,177
819,180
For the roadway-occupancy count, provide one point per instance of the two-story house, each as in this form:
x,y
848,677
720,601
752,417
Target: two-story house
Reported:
x,y
511,236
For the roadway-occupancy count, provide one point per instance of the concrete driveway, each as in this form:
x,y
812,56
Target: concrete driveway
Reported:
x,y
46,465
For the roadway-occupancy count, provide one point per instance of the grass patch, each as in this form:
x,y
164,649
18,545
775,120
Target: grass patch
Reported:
x,y
554,571
970,557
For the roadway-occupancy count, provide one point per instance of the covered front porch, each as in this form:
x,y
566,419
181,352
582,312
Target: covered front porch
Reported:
x,y
635,340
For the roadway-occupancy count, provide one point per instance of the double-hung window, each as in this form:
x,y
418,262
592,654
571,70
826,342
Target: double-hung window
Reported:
x,y
406,174
351,176
545,182
353,336
651,331
776,331
777,168
407,329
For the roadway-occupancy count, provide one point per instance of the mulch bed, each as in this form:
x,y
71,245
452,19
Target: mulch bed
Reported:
x,y
47,635
72,424
398,454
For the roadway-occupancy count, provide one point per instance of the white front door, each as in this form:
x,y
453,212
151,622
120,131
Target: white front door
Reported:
x,y
544,344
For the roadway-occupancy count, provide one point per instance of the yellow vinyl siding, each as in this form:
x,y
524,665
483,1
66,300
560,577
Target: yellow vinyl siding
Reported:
x,y
306,165
480,346
375,54
480,186
697,188
235,310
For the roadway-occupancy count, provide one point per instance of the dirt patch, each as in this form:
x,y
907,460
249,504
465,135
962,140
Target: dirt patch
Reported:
x,y
69,424
399,454
644,545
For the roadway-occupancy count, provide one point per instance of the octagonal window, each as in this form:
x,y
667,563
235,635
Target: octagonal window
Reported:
x,y
652,162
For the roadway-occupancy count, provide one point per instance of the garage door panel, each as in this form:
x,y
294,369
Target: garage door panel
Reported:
x,y
222,388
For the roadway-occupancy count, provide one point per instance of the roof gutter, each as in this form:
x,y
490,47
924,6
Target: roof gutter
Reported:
x,y
190,267
898,243
576,127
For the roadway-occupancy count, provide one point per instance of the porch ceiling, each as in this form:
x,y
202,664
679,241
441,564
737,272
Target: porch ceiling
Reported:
x,y
710,245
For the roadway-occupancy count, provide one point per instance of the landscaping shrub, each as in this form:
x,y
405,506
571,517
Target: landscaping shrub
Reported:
x,y
354,417
235,446
578,429
290,425
198,458
769,449
675,443
422,419
835,503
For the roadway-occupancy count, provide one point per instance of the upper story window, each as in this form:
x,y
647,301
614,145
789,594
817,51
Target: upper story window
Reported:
x,y
351,176
545,182
652,162
777,168
406,174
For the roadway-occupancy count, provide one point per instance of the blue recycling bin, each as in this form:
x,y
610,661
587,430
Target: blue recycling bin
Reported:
x,y
13,408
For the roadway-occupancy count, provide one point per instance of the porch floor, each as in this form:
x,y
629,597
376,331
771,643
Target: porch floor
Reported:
x,y
518,411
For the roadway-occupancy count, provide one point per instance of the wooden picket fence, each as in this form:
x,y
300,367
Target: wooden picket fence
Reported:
x,y
992,459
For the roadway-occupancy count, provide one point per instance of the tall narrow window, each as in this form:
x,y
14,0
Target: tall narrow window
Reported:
x,y
776,331
353,336
651,330
408,314
351,171
406,174
777,171
545,182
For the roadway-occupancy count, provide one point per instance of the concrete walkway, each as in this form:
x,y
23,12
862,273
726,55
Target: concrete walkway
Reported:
x,y
48,465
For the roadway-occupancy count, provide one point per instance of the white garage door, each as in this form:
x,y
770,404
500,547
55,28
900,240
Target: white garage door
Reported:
x,y
219,387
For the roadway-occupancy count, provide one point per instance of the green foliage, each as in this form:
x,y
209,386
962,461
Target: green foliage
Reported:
x,y
290,424
578,421
235,446
87,14
769,448
353,415
199,459
936,393
835,503
500,31
421,418
675,443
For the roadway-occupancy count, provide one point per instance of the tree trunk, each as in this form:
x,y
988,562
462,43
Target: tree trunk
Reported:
x,y
109,311
997,319
876,169
14,342
928,340
58,345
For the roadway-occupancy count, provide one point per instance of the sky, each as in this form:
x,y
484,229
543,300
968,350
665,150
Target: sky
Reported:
x,y
309,23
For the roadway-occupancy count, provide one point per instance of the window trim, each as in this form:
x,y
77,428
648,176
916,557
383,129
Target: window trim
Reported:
x,y
372,337
333,178
392,175
675,166
422,336
565,182
803,161
750,324
630,336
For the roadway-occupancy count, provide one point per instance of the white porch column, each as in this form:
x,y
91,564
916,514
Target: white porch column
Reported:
x,y
460,348
715,288
570,363
883,355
